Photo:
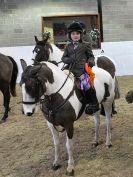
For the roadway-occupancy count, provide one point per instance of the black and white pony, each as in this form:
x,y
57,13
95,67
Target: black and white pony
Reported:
x,y
61,106
44,51
8,77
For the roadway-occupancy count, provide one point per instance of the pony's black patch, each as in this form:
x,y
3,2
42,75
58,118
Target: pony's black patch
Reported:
x,y
64,116
31,86
106,94
42,53
35,78
106,64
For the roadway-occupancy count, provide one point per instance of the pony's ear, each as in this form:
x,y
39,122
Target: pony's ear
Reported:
x,y
35,69
36,39
23,64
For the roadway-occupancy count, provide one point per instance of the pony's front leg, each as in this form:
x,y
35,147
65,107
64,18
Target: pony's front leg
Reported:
x,y
69,146
70,168
108,111
55,134
97,124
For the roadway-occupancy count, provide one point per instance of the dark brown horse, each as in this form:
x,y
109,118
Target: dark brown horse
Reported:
x,y
8,76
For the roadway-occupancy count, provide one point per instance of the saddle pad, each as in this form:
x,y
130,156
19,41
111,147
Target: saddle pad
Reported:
x,y
84,82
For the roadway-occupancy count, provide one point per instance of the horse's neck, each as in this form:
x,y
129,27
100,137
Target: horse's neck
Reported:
x,y
59,79
56,55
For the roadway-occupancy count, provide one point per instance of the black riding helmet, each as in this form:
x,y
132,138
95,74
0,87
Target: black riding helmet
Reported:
x,y
83,26
74,26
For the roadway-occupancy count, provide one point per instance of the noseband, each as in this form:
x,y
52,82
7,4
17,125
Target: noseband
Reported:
x,y
29,102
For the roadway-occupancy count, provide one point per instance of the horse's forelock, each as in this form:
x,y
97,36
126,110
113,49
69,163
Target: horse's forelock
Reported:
x,y
30,87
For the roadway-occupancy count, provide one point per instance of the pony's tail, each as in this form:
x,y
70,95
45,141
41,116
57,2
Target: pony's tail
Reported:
x,y
14,77
117,89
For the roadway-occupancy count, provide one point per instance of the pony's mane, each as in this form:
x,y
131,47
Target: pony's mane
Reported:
x,y
54,68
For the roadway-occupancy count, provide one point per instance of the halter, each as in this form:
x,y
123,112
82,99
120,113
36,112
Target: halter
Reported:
x,y
29,102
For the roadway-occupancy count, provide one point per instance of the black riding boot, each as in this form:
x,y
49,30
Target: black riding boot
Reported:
x,y
92,101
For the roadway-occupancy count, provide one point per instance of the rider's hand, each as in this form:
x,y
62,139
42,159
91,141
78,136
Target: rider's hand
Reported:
x,y
91,63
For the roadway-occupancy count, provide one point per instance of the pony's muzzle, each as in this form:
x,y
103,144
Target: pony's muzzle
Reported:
x,y
29,113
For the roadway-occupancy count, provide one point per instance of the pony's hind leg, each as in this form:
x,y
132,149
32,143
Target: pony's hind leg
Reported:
x,y
55,134
108,111
97,125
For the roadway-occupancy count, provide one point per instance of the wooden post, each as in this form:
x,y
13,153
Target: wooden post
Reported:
x,y
99,3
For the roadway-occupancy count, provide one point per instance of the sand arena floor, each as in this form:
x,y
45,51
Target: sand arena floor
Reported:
x,y
26,146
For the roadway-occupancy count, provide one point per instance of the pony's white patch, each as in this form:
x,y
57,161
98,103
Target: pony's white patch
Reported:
x,y
56,55
56,139
51,56
102,77
27,108
34,56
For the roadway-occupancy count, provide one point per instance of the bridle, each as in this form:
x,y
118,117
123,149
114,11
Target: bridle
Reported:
x,y
37,97
37,48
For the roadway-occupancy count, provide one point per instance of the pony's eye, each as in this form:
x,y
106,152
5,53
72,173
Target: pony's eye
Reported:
x,y
37,50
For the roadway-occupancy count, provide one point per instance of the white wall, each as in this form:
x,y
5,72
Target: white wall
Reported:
x,y
120,52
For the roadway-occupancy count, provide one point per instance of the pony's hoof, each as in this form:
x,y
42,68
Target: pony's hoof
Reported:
x,y
70,173
114,112
95,144
109,146
56,167
2,121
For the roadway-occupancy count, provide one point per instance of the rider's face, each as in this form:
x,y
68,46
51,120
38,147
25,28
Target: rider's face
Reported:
x,y
75,36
